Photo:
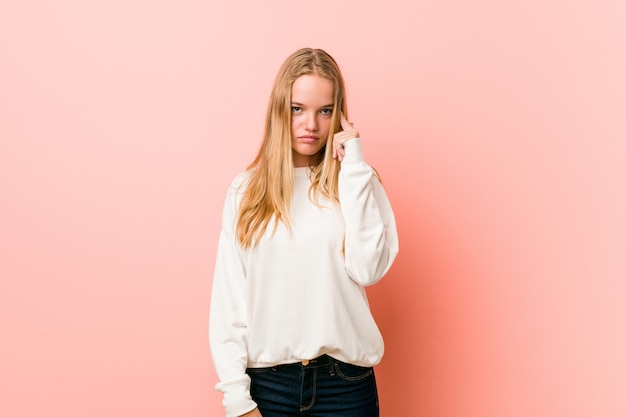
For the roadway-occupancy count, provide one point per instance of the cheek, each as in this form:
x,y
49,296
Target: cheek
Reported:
x,y
325,125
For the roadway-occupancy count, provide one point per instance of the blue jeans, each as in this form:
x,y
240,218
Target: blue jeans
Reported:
x,y
324,387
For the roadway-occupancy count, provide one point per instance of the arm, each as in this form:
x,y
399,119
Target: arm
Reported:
x,y
253,413
371,242
227,323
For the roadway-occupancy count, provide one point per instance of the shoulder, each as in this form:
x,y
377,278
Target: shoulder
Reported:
x,y
235,191
240,182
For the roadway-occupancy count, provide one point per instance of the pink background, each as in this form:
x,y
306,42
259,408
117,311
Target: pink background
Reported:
x,y
498,128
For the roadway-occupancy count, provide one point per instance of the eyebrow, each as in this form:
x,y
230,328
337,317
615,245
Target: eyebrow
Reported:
x,y
294,103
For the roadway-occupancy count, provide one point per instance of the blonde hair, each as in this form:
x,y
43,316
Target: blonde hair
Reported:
x,y
269,190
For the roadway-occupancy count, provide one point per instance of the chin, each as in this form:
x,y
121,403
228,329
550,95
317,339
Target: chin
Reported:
x,y
307,151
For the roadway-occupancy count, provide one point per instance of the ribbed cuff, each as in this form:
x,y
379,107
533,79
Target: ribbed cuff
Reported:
x,y
237,399
354,152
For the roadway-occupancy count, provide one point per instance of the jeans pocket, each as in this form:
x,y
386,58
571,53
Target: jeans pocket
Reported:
x,y
351,372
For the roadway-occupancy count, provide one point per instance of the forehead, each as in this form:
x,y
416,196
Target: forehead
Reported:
x,y
312,89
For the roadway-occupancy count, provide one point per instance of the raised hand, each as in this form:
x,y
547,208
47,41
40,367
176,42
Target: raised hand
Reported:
x,y
348,132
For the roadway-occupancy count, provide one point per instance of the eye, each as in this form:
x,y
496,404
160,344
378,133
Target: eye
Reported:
x,y
327,112
296,109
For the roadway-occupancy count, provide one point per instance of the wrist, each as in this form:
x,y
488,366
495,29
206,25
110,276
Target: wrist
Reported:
x,y
354,151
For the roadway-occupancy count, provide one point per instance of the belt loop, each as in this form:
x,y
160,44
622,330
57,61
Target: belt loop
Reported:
x,y
331,365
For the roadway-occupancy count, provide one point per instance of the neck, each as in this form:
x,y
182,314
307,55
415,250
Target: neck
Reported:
x,y
300,161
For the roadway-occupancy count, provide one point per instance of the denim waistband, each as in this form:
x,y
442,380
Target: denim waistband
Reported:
x,y
319,362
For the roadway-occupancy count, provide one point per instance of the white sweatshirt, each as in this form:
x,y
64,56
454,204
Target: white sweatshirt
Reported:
x,y
295,296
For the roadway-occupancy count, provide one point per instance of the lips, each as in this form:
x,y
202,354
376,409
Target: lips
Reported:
x,y
308,138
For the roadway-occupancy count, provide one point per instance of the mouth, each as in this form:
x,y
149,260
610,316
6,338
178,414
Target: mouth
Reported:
x,y
308,138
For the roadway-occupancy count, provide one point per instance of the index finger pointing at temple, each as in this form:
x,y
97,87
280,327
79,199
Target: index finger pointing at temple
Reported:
x,y
344,123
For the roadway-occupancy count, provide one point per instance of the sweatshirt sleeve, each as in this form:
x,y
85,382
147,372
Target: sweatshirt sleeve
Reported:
x,y
371,242
227,317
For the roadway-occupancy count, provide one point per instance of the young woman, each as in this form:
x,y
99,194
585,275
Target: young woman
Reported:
x,y
305,228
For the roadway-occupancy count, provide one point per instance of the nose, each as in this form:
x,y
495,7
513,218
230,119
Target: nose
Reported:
x,y
311,122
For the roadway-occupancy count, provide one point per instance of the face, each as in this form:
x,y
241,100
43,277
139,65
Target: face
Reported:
x,y
311,111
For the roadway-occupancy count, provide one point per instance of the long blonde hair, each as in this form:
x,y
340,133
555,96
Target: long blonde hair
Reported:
x,y
269,190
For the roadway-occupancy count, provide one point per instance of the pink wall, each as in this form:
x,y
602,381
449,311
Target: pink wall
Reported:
x,y
498,129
